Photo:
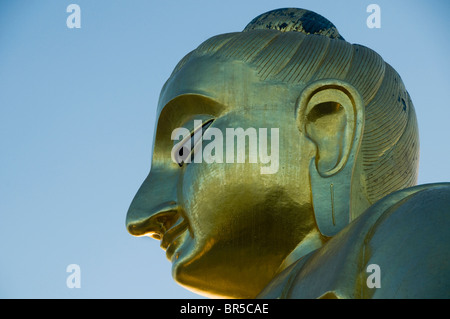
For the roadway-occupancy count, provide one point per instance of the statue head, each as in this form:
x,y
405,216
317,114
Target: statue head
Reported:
x,y
327,128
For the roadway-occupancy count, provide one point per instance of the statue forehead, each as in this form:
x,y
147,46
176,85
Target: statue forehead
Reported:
x,y
210,77
225,81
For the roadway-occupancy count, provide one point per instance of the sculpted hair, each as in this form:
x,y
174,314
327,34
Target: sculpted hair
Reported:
x,y
298,46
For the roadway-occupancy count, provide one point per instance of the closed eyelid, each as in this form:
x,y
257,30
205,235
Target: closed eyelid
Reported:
x,y
192,138
202,127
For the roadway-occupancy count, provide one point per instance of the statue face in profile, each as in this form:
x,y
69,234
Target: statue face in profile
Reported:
x,y
223,225
318,102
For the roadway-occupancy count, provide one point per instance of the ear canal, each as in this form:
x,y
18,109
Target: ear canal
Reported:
x,y
323,109
326,127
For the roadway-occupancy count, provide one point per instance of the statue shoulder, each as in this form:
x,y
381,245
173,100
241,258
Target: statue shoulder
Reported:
x,y
402,241
410,243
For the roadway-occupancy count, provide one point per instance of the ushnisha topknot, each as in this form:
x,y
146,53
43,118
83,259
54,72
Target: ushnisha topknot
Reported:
x,y
293,19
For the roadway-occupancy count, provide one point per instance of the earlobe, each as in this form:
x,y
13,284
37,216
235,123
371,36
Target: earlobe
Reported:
x,y
331,114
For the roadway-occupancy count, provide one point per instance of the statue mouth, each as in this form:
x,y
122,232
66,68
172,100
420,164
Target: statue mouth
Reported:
x,y
170,236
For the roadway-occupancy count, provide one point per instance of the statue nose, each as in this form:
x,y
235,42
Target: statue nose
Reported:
x,y
154,208
157,222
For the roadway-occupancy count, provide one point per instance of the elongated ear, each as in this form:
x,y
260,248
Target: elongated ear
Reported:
x,y
331,114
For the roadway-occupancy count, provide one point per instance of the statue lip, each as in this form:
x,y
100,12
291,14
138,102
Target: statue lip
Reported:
x,y
173,232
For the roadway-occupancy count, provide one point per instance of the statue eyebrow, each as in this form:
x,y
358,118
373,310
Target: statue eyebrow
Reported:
x,y
190,105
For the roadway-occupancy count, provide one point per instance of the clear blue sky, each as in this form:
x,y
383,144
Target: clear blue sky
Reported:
x,y
77,109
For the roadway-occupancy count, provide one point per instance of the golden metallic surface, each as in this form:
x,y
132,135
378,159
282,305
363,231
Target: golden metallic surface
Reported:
x,y
338,196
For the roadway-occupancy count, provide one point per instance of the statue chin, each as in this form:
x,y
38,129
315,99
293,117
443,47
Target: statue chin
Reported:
x,y
285,164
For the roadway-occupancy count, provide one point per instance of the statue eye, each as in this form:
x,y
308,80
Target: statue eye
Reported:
x,y
186,152
183,152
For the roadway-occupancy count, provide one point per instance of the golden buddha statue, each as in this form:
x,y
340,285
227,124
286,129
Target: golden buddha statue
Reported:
x,y
339,196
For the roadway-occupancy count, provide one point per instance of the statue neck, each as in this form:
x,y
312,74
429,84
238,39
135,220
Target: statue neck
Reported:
x,y
311,242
